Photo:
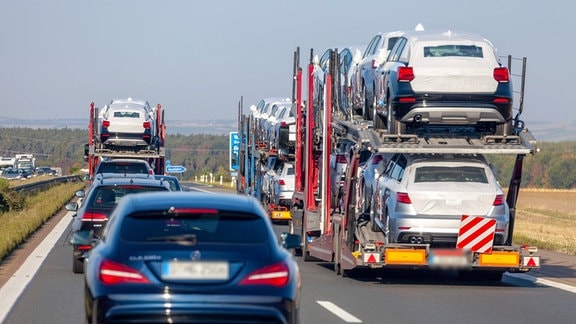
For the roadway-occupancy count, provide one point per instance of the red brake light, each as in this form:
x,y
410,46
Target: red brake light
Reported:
x,y
501,100
281,182
146,124
405,74
194,211
283,124
407,99
501,74
403,198
341,159
94,217
106,123
276,275
498,201
112,273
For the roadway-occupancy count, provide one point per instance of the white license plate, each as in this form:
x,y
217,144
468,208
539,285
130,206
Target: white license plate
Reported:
x,y
195,270
443,259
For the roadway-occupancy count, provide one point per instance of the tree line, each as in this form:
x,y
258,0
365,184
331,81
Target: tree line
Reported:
x,y
554,167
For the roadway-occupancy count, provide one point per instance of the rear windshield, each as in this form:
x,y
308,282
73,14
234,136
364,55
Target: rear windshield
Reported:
x,y
218,227
108,196
126,114
450,174
453,50
123,167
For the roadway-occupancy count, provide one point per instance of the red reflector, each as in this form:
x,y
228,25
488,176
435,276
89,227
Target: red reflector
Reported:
x,y
146,124
276,275
498,201
407,99
112,273
405,74
403,198
106,123
501,100
501,74
95,217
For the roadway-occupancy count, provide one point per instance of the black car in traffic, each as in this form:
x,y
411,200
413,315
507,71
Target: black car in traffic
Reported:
x,y
99,201
190,257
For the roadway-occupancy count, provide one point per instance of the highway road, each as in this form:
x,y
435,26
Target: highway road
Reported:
x,y
44,290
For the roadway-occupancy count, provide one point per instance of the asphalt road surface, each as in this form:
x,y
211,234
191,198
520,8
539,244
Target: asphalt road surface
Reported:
x,y
37,286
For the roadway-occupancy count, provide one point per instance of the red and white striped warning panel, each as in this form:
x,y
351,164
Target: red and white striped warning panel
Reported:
x,y
476,234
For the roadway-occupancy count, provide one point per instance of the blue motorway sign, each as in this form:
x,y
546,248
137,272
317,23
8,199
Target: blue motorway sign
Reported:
x,y
175,169
234,149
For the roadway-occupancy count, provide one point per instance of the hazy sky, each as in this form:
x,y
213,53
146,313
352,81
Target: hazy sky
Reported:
x,y
197,58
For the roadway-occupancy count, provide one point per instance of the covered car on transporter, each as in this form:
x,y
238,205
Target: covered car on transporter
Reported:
x,y
128,123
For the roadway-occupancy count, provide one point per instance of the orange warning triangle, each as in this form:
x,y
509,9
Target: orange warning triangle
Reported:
x,y
371,259
531,262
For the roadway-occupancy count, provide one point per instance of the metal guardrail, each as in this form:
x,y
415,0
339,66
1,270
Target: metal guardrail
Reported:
x,y
45,184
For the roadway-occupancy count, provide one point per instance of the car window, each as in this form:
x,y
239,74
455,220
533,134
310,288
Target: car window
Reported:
x,y
450,174
453,50
396,171
126,114
123,168
203,227
108,196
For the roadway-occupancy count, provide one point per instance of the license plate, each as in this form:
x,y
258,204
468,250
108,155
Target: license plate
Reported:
x,y
281,215
448,258
195,270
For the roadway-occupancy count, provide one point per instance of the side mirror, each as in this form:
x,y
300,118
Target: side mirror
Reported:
x,y
72,207
80,193
291,241
82,238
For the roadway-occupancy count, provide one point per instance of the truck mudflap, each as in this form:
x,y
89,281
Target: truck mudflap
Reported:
x,y
505,258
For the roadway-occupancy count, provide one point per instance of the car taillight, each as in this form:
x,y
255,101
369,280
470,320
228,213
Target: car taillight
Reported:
x,y
146,124
276,275
113,273
374,64
405,74
501,100
498,201
406,99
403,198
94,217
501,74
341,159
281,182
106,123
377,158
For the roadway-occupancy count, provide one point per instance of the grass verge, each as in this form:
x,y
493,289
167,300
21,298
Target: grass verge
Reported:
x,y
17,226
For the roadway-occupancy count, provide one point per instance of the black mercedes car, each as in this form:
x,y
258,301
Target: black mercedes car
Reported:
x,y
183,257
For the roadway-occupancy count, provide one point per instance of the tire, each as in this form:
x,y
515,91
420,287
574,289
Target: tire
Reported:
x,y
373,225
366,111
77,265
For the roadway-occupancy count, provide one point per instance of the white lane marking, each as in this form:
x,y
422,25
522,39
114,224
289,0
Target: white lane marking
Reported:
x,y
14,287
344,315
544,282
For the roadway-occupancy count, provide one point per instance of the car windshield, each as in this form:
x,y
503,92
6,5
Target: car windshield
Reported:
x,y
122,167
127,114
107,197
453,50
450,174
197,226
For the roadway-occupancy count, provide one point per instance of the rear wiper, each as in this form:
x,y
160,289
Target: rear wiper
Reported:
x,y
187,239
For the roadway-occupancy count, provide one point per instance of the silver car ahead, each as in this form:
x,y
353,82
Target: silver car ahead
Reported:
x,y
421,198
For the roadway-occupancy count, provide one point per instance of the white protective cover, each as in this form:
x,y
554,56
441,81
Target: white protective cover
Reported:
x,y
127,124
453,198
453,74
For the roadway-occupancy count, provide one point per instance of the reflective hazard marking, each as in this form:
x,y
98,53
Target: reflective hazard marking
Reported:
x,y
476,234
531,261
